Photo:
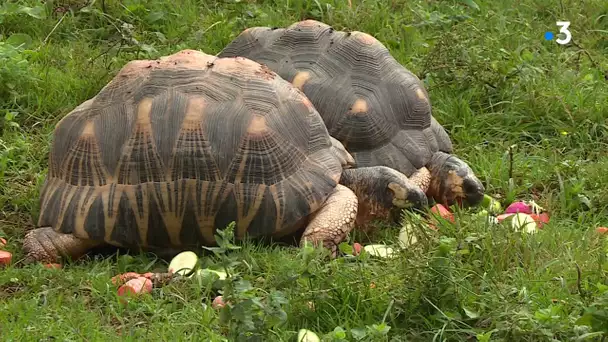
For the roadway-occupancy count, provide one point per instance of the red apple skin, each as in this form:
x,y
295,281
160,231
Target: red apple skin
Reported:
x,y
218,302
357,247
443,212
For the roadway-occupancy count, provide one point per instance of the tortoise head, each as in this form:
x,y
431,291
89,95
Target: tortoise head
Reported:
x,y
453,181
383,192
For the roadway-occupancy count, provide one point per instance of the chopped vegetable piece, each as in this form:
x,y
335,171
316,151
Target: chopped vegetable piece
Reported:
x,y
125,277
136,286
406,236
518,207
305,335
183,263
525,221
5,257
443,212
382,251
206,272
357,247
218,302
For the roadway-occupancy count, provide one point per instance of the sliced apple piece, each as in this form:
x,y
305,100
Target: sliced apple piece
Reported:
x,y
381,251
184,263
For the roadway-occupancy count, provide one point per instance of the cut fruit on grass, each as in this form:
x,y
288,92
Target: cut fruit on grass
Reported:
x,y
407,236
518,207
503,217
525,222
5,258
207,273
184,263
136,286
357,247
602,230
3,242
491,205
484,214
305,335
443,212
124,277
381,251
218,302
52,266
540,219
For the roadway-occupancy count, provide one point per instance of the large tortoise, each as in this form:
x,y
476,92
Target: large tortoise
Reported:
x,y
378,109
174,148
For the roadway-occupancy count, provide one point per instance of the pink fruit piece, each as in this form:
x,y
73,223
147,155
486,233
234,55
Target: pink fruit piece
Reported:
x,y
443,212
123,278
5,257
518,207
2,242
52,266
540,219
502,217
218,302
602,230
357,247
136,286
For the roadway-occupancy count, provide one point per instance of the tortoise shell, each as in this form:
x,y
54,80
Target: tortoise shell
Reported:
x,y
174,148
378,109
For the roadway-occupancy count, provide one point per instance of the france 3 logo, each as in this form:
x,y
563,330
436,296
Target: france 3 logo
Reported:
x,y
563,29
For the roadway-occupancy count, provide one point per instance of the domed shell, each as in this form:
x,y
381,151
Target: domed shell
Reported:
x,y
378,109
172,149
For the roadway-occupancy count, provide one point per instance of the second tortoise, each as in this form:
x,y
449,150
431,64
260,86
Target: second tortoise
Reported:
x,y
378,109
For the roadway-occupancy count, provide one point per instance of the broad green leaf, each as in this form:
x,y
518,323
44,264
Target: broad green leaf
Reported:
x,y
36,12
20,40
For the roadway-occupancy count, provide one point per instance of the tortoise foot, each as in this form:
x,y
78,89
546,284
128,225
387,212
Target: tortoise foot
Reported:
x,y
332,223
48,246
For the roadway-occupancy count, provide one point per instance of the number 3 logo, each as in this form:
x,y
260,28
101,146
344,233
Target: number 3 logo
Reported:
x,y
564,29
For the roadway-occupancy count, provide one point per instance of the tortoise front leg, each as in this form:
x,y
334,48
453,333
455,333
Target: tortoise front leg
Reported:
x,y
421,178
333,221
46,245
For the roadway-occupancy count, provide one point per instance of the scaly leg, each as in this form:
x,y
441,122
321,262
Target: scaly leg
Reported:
x,y
331,224
422,178
46,245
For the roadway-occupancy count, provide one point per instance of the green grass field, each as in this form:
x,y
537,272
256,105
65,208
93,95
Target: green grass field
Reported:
x,y
529,115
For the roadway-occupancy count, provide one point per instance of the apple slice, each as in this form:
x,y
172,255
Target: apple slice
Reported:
x,y
305,335
206,272
381,251
525,221
407,236
184,263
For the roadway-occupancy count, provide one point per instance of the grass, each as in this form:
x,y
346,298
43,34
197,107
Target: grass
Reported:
x,y
529,115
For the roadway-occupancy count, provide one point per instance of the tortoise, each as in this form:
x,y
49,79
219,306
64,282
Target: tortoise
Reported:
x,y
378,109
171,149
